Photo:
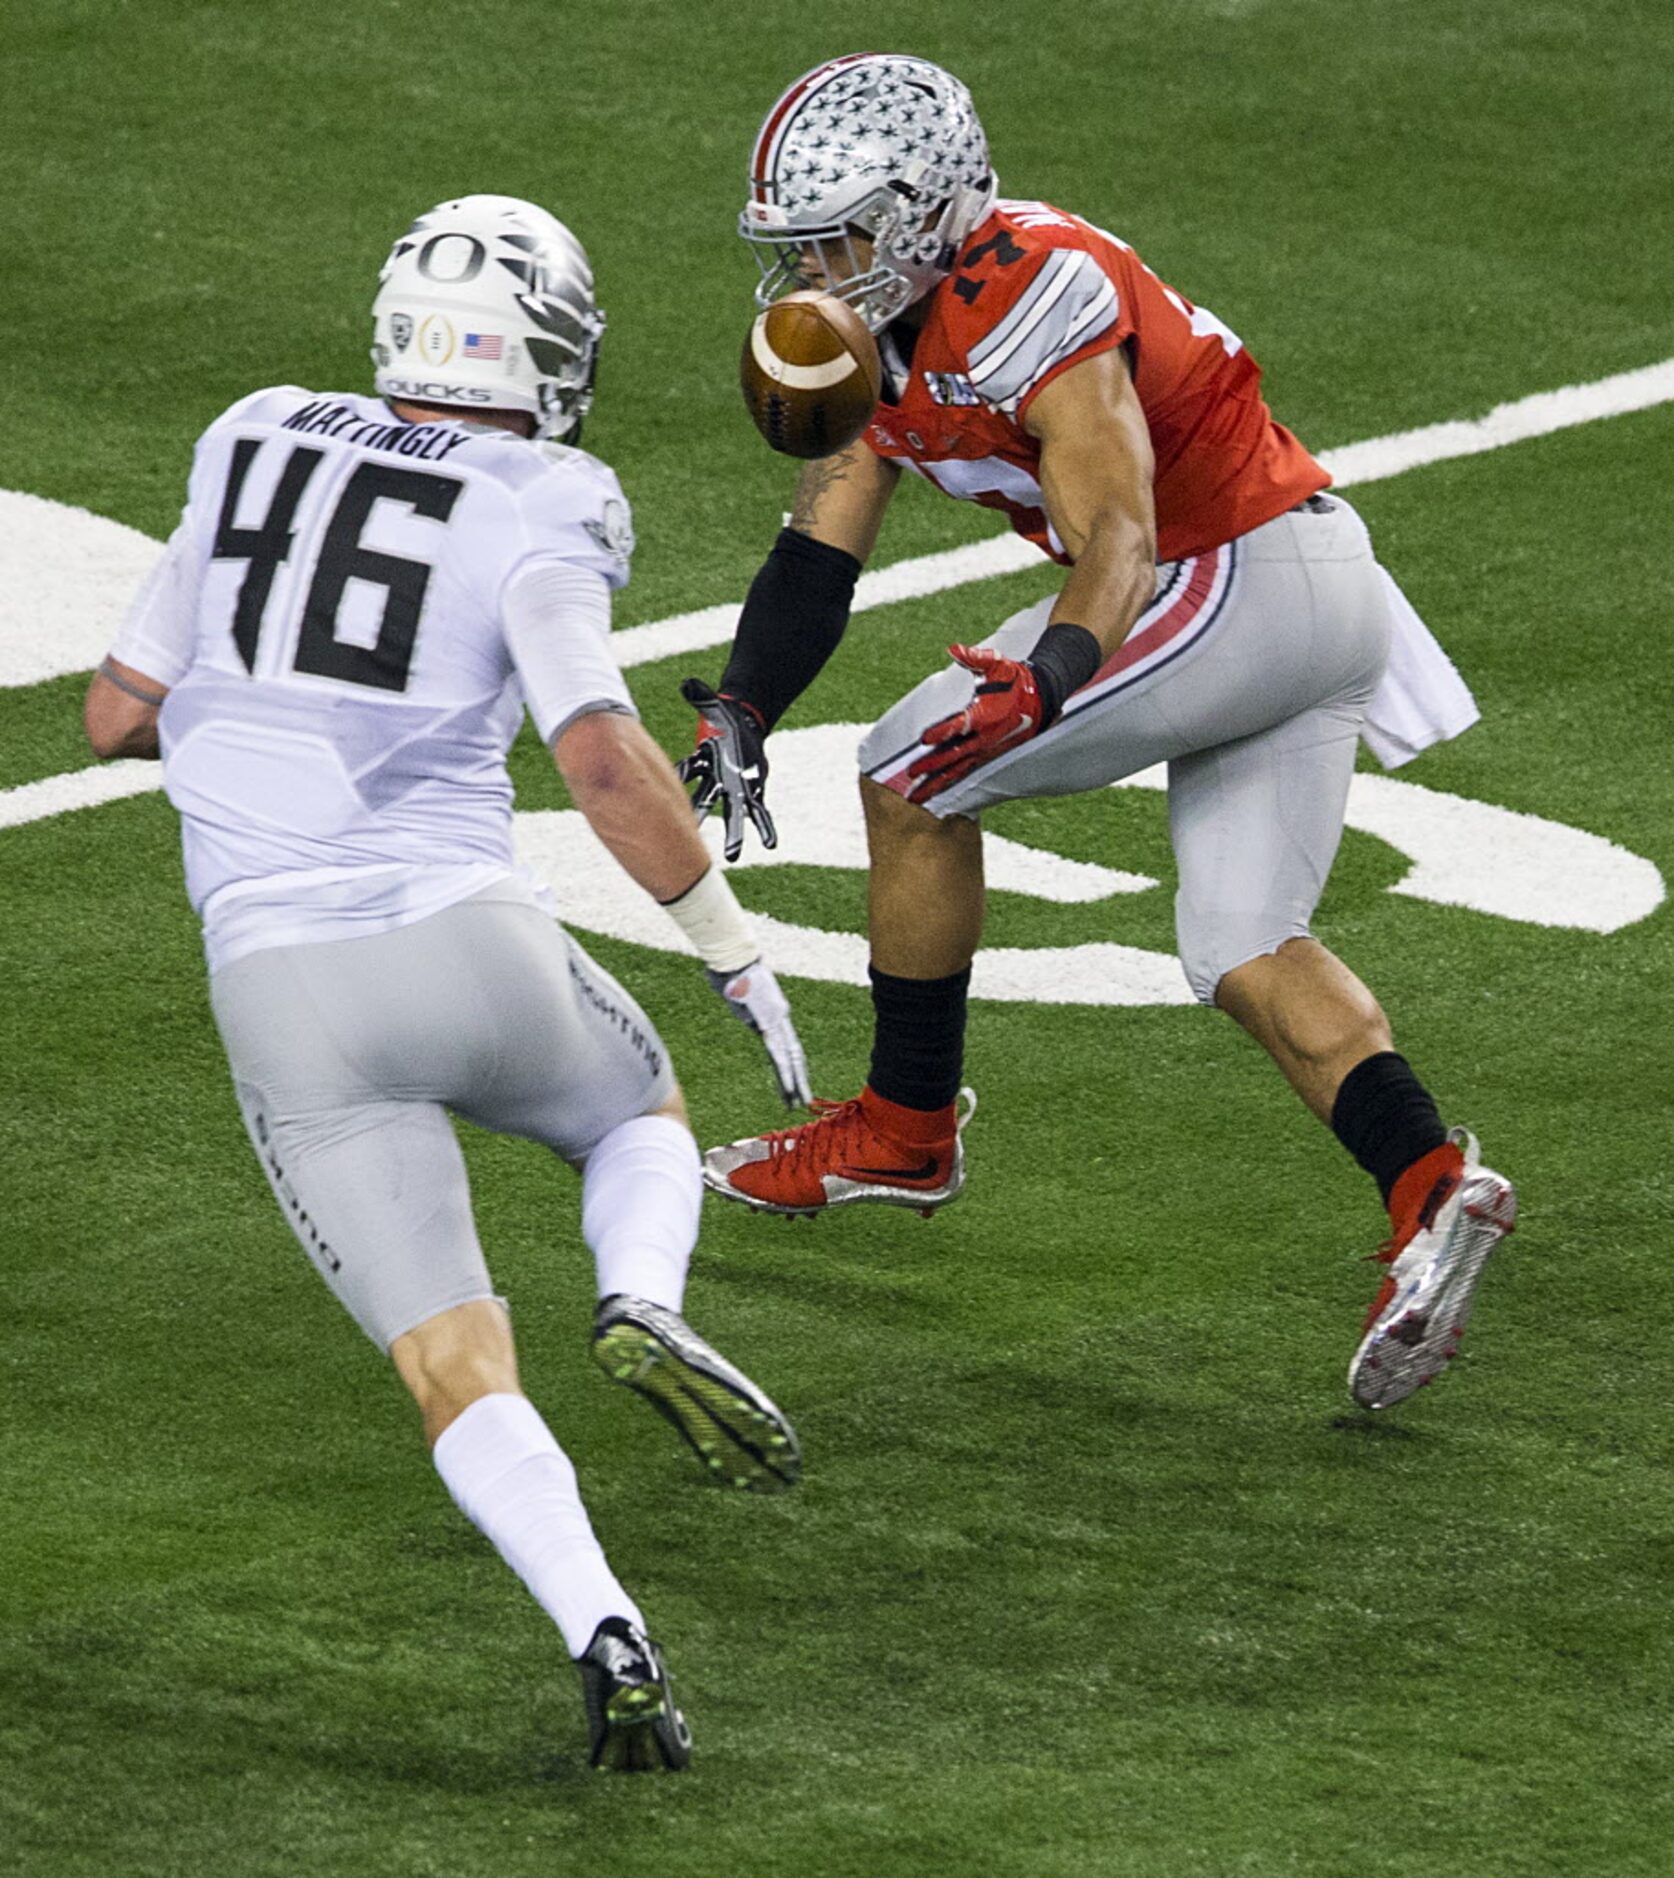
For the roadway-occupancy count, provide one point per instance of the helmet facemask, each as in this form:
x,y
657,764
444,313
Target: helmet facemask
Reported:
x,y
911,249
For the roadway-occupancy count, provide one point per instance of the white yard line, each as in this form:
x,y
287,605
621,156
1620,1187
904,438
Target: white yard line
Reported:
x,y
905,580
1368,462
1371,461
1536,416
80,789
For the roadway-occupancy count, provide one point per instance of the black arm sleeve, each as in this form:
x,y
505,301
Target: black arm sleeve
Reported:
x,y
792,621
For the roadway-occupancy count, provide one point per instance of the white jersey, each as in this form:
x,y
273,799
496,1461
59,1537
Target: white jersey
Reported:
x,y
344,622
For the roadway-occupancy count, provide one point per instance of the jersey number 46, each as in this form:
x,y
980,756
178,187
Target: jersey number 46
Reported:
x,y
342,558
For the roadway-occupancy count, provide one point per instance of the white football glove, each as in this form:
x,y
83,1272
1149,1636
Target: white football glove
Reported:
x,y
753,995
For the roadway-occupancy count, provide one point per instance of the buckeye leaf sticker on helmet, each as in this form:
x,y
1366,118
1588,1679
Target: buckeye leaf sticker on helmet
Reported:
x,y
810,374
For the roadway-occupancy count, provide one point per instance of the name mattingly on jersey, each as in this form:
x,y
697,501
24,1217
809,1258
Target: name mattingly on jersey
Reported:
x,y
327,419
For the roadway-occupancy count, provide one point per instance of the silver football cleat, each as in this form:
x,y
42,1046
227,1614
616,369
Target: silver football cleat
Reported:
x,y
740,1434
1431,1286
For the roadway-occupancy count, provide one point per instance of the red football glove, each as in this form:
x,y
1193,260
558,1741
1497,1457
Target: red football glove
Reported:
x,y
1005,711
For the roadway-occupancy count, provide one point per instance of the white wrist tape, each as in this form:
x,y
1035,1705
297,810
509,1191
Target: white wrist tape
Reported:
x,y
711,918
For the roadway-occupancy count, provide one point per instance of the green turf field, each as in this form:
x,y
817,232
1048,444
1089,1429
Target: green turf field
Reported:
x,y
1094,1570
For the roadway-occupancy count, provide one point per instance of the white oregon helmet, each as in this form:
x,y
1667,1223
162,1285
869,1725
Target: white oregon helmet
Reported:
x,y
874,144
488,301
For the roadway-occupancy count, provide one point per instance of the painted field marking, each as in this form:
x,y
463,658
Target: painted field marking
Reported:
x,y
80,789
78,571
1542,873
1368,462
70,574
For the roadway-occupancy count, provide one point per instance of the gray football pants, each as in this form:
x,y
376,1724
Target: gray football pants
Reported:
x,y
347,1056
1249,675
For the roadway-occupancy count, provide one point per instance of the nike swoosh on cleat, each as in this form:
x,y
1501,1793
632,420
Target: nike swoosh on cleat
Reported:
x,y
891,1173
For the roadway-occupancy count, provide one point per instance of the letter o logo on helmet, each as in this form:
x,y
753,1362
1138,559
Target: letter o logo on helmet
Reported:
x,y
501,292
452,258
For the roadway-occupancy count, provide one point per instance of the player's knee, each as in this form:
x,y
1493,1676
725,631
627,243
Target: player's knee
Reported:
x,y
894,823
884,808
1300,998
1227,950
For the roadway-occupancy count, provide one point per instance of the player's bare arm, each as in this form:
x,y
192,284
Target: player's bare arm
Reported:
x,y
625,786
120,711
841,499
1096,467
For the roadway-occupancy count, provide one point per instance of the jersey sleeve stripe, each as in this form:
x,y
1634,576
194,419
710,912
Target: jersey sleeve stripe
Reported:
x,y
1065,277
1042,291
1099,313
1086,308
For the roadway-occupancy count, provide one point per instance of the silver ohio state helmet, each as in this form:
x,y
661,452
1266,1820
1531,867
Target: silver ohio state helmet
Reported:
x,y
488,301
877,145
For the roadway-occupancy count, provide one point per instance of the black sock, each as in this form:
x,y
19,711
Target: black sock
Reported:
x,y
1385,1118
918,1045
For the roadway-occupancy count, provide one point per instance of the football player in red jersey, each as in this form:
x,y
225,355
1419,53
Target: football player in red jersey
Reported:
x,y
1219,613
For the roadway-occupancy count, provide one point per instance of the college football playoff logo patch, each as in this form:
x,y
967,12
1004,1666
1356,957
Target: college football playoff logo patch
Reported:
x,y
436,339
401,330
951,388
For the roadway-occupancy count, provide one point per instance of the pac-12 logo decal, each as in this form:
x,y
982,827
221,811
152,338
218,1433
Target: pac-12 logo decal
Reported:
x,y
401,330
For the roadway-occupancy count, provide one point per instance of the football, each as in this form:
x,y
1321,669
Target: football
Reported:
x,y
810,374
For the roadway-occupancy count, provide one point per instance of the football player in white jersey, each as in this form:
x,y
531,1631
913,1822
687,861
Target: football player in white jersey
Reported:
x,y
332,659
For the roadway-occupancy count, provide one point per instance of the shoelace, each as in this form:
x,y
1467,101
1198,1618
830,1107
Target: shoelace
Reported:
x,y
806,1139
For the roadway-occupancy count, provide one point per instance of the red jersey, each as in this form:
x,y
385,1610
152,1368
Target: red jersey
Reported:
x,y
1037,291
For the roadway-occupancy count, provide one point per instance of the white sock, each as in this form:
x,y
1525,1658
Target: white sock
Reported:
x,y
640,1200
514,1482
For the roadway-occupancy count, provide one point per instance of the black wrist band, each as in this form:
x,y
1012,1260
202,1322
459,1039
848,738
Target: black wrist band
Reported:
x,y
1064,659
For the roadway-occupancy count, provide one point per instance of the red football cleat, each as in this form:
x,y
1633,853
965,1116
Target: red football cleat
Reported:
x,y
1449,1213
862,1149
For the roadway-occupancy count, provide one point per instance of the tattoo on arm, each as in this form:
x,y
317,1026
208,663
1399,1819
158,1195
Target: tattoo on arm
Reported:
x,y
816,481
